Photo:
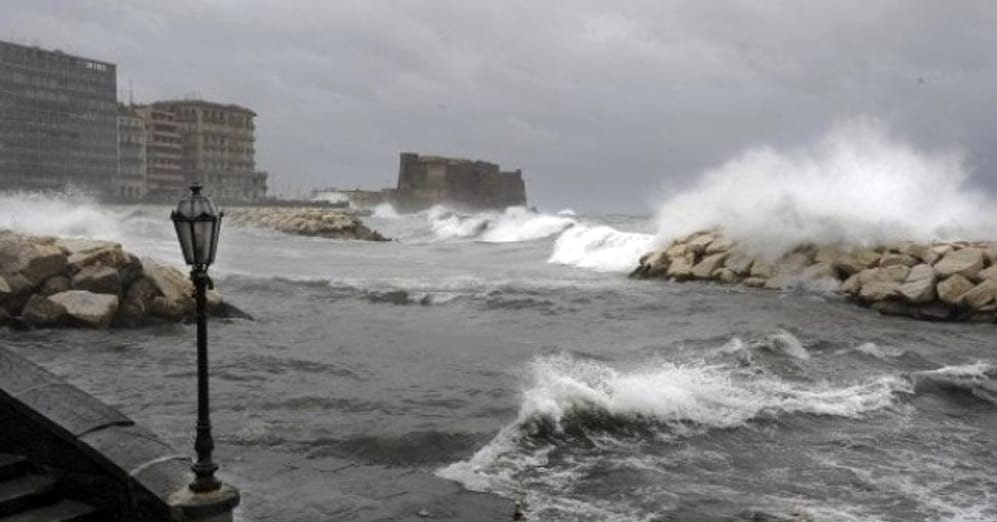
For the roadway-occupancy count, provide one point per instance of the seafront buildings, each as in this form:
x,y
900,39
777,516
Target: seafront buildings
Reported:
x,y
61,127
219,148
58,120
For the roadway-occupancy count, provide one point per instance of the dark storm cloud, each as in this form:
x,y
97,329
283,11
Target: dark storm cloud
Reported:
x,y
605,105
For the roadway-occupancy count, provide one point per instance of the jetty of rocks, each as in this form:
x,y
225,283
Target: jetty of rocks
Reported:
x,y
321,222
934,281
50,282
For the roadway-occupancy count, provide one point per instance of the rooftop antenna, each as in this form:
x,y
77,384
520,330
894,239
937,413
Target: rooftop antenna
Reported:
x,y
131,95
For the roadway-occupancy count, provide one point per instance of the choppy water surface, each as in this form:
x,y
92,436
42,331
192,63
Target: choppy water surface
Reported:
x,y
380,378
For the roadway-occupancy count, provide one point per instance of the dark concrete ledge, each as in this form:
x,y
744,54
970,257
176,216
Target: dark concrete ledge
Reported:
x,y
99,454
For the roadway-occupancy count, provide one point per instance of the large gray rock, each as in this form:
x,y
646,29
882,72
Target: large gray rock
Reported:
x,y
54,285
878,290
718,245
988,273
919,290
761,270
110,256
74,246
655,264
33,259
980,295
922,272
739,262
42,312
852,285
966,262
680,269
699,243
952,288
88,308
894,258
175,292
98,279
856,261
705,268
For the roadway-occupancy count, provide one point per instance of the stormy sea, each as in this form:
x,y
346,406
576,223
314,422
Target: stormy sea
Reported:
x,y
505,355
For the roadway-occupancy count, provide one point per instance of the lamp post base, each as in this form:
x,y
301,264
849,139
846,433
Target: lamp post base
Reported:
x,y
213,506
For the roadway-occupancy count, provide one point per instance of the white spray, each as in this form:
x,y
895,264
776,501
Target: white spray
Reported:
x,y
855,186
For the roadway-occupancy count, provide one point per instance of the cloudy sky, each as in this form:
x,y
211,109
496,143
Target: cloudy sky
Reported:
x,y
605,105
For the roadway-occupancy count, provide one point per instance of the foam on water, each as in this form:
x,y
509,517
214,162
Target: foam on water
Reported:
x,y
567,396
57,215
856,185
511,225
601,248
978,379
386,211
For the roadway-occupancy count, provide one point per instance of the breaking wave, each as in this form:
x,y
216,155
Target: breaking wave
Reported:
x,y
979,380
570,401
601,248
66,215
511,225
857,185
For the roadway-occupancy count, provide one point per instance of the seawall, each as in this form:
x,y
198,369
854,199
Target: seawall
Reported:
x,y
954,281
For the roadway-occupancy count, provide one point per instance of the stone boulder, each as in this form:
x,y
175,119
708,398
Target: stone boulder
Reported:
x,y
680,269
878,290
174,297
34,260
98,279
966,262
88,308
918,291
705,268
952,288
980,295
54,285
739,262
42,312
988,273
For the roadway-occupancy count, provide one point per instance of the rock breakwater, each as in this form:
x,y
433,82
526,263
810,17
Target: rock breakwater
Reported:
x,y
934,281
48,282
320,222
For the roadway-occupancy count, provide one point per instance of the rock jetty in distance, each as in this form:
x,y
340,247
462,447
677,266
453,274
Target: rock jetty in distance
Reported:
x,y
48,282
320,222
954,281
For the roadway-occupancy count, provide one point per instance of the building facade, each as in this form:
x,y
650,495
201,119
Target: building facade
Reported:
x,y
58,120
424,181
219,148
163,154
130,182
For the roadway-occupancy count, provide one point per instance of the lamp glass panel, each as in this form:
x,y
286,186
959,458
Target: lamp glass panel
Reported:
x,y
185,236
204,232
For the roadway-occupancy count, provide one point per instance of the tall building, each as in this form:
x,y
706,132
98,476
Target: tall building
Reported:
x,y
130,182
163,153
58,120
219,148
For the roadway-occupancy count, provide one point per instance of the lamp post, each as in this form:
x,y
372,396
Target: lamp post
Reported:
x,y
197,224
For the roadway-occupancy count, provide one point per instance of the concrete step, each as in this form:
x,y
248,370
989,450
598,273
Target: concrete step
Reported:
x,y
64,510
21,493
12,466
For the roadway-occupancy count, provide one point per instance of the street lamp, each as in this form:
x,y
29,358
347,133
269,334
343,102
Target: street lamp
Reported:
x,y
198,223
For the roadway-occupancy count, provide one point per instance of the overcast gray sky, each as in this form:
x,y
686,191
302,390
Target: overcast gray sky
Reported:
x,y
605,105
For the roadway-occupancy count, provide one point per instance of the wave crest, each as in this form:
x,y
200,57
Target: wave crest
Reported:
x,y
511,225
600,248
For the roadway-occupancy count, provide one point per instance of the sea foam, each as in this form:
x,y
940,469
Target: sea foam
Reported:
x,y
575,397
511,225
601,248
57,215
856,185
